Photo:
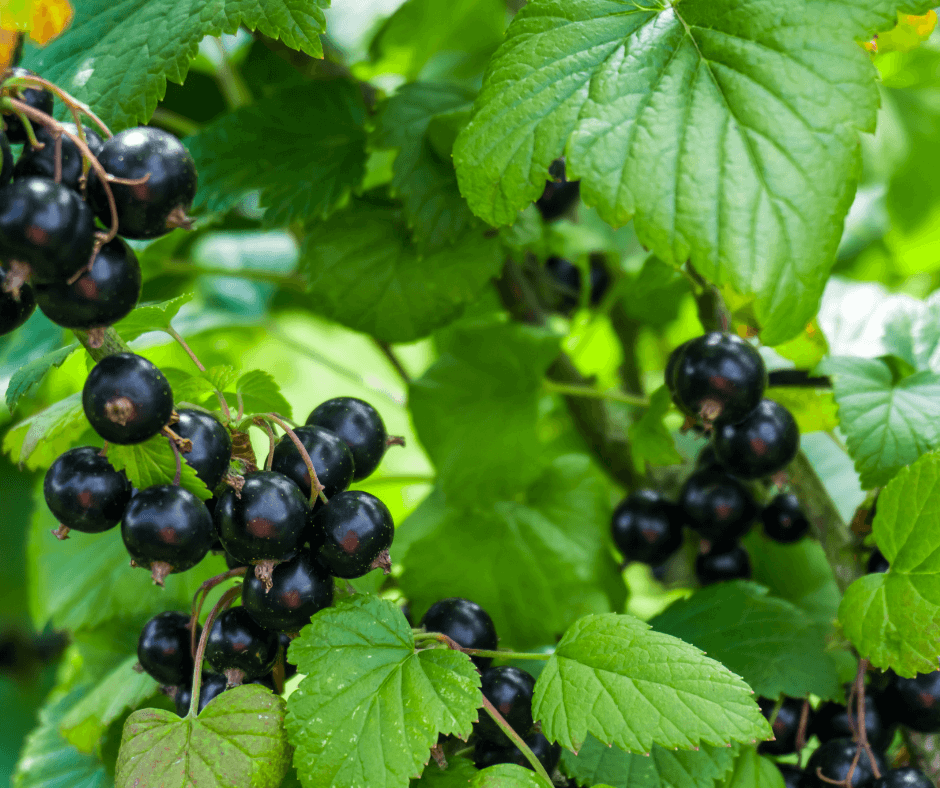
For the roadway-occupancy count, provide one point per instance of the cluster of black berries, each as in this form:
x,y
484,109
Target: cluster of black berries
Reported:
x,y
911,703
53,253
718,379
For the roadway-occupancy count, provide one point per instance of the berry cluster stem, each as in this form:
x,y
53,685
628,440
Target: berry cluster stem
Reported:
x,y
227,598
200,597
200,366
517,740
316,489
111,344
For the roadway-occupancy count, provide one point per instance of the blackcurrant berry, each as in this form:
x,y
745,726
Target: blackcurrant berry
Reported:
x,y
906,777
84,492
267,680
669,373
464,622
212,445
355,530
565,280
600,280
707,459
6,154
717,505
717,567
914,703
166,529
792,775
100,296
37,98
765,442
213,685
832,721
127,399
646,527
486,753
785,725
299,588
877,562
289,668
719,376
41,161
265,522
560,195
164,649
239,647
510,690
331,458
156,206
784,520
15,307
833,760
360,427
47,226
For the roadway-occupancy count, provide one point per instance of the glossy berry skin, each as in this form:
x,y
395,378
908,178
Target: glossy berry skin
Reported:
x,y
167,524
359,426
486,753
707,459
510,691
792,775
212,445
877,562
301,587
719,377
213,685
355,528
717,505
143,210
126,399
785,725
464,622
41,161
763,443
831,721
717,567
99,297
37,98
14,311
560,195
84,492
331,458
163,649
907,777
669,373
784,520
646,527
237,643
289,668
46,225
266,522
914,703
6,160
834,760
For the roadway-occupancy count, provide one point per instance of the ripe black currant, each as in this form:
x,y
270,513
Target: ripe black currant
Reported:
x,y
6,158
239,647
212,445
41,161
15,308
906,777
784,520
359,425
785,725
669,373
213,685
464,622
877,562
299,588
719,376
914,703
100,296
706,458
289,669
37,98
486,753
166,529
717,505
163,649
729,564
560,195
84,492
156,206
834,760
646,527
510,690
765,442
792,775
355,530
566,282
46,225
832,721
331,458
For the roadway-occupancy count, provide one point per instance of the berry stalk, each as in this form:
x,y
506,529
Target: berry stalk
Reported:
x,y
316,489
227,598
200,597
517,740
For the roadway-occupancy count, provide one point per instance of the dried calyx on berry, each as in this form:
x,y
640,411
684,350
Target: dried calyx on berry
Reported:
x,y
239,647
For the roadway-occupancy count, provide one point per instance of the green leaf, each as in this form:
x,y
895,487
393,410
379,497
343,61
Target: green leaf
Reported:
x,y
912,333
475,409
646,688
754,771
888,423
551,545
221,377
458,773
37,441
153,462
122,689
597,763
773,645
650,439
815,410
366,274
117,57
30,375
729,131
237,740
367,685
304,162
151,317
507,775
893,618
261,394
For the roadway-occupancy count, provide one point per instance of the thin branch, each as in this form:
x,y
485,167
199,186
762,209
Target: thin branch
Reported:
x,y
585,391
387,351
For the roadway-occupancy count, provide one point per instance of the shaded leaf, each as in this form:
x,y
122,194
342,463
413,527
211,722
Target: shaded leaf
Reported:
x,y
153,462
151,317
30,375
